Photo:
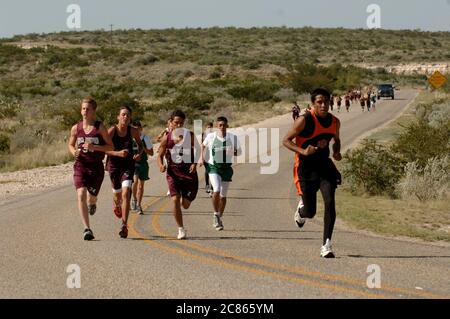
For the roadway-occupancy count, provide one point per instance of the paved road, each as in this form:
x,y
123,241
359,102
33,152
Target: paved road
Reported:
x,y
260,254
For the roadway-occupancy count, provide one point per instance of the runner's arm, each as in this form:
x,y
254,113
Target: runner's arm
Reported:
x,y
72,142
337,143
161,136
161,153
137,137
297,128
195,146
148,145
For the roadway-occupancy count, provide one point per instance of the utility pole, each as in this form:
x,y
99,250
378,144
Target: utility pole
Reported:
x,y
111,39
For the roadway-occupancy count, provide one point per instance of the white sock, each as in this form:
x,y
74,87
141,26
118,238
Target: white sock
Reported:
x,y
180,228
328,242
217,214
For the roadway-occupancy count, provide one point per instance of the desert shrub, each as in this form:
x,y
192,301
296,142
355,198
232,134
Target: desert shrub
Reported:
x,y
254,90
31,135
108,110
64,57
419,141
373,168
67,114
193,98
4,144
216,73
436,114
426,183
8,107
220,104
148,59
12,53
286,94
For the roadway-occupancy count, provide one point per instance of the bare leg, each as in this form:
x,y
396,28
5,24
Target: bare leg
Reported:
x,y
82,206
185,203
140,191
117,197
91,199
135,187
222,204
177,210
126,196
216,201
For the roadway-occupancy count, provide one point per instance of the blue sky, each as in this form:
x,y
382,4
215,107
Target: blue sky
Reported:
x,y
21,17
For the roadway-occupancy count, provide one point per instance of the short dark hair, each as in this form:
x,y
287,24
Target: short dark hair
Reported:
x,y
177,113
125,107
222,119
210,124
324,92
137,123
90,101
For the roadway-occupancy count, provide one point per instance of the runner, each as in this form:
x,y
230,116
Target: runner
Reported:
x,y
89,150
181,167
314,169
120,164
374,100
208,188
368,101
218,150
140,169
331,102
362,102
339,102
347,102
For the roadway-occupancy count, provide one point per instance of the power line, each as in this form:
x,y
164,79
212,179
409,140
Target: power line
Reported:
x,y
111,25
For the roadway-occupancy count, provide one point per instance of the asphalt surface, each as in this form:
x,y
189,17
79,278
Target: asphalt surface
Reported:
x,y
260,253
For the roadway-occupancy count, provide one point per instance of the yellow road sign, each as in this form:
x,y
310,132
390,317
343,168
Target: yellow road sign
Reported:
x,y
437,80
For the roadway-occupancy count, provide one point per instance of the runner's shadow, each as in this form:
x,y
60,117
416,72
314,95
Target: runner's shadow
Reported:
x,y
275,231
189,213
258,198
155,196
397,257
162,238
246,238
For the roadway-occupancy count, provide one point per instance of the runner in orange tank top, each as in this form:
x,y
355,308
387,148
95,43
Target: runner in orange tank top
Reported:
x,y
313,168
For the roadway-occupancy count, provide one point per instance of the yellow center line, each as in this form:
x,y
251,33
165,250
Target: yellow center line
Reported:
x,y
212,261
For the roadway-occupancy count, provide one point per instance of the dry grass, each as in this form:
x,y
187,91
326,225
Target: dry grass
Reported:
x,y
41,156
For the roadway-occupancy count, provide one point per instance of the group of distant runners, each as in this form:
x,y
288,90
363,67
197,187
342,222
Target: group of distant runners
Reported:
x,y
366,100
127,150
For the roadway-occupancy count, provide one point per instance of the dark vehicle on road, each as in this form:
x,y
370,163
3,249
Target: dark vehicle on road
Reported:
x,y
385,90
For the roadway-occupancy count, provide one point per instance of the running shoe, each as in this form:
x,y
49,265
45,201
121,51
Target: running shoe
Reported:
x,y
133,204
139,209
218,222
299,221
92,209
123,231
326,250
181,233
88,234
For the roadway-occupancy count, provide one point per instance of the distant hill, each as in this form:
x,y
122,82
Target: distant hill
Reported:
x,y
245,74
